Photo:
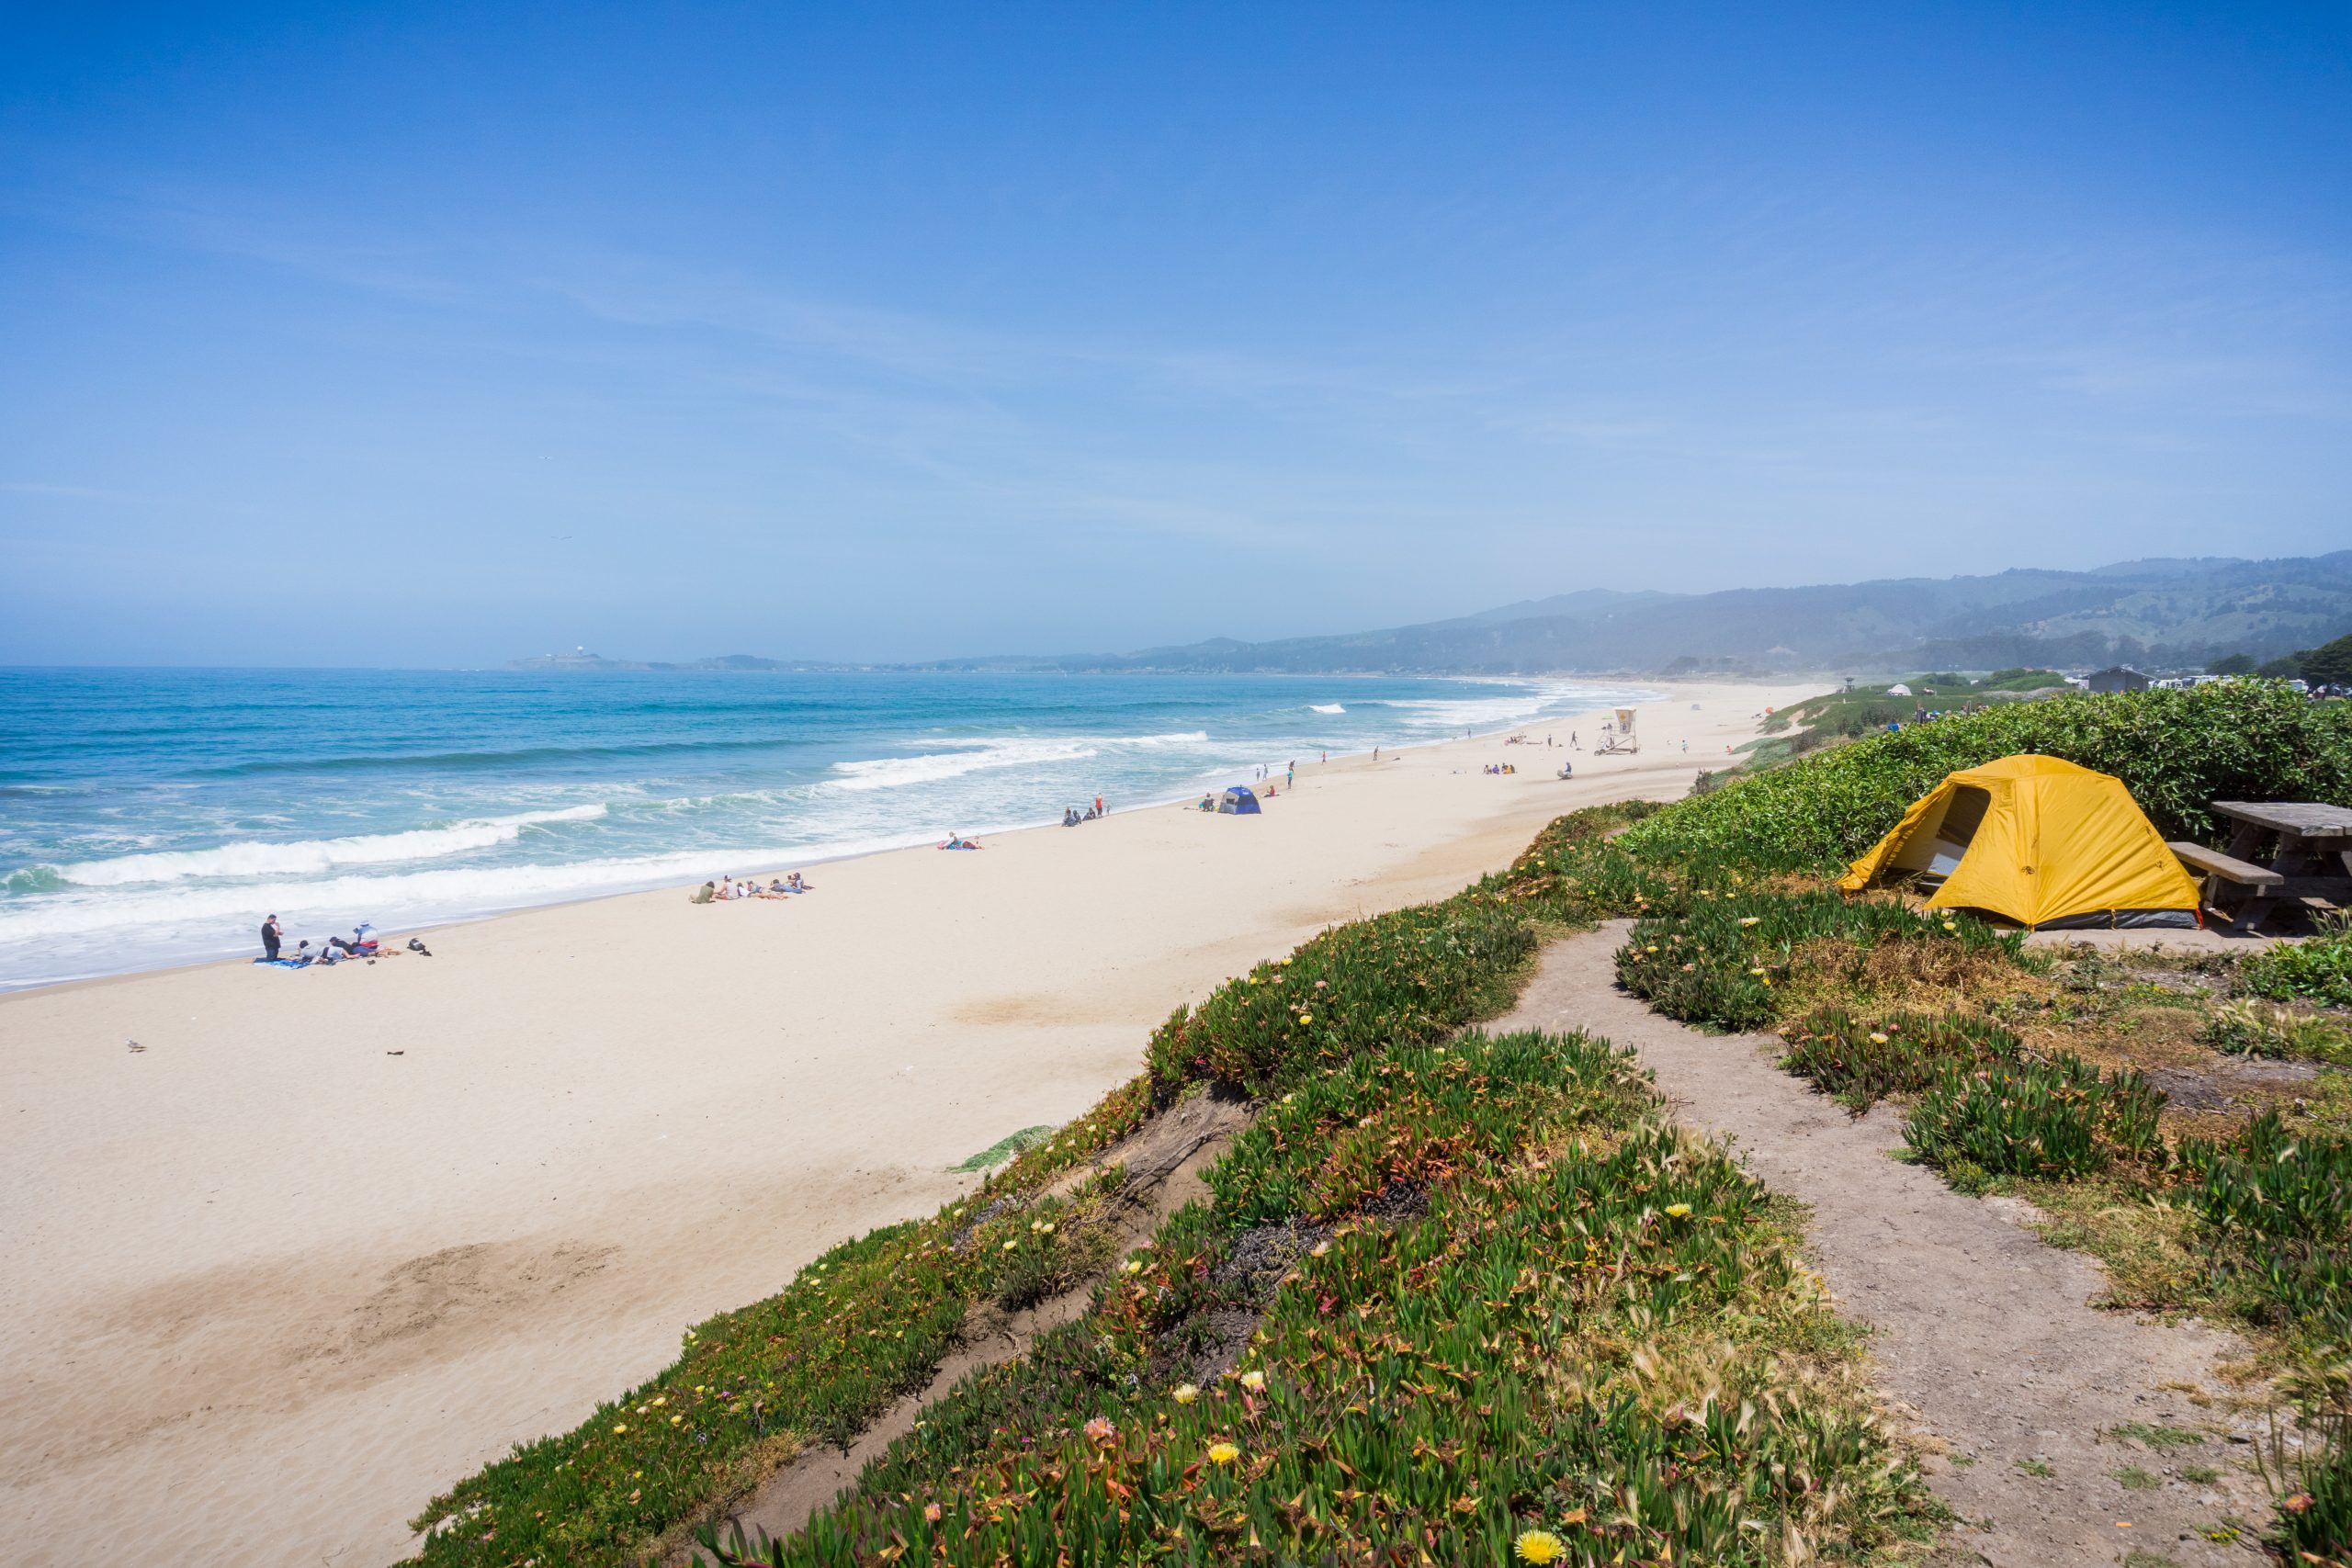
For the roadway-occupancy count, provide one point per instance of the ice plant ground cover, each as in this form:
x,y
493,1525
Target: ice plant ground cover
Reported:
x,y
1447,1298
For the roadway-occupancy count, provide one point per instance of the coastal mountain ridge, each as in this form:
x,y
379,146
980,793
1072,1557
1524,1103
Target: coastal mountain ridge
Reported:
x,y
2162,612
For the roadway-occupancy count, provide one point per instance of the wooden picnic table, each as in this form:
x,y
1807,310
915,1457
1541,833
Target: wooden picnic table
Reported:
x,y
2306,845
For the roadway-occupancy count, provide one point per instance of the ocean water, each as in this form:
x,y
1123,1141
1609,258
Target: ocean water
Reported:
x,y
153,817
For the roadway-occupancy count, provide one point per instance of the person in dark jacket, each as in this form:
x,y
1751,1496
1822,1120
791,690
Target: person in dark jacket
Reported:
x,y
270,935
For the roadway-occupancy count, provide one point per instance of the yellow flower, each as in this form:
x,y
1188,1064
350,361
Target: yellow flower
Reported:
x,y
674,1420
1185,1394
1135,1265
1756,970
1047,1227
1306,1018
1223,1453
660,1400
1679,1211
1538,1545
619,1430
1651,948
1010,1244
1877,1039
1253,1380
1750,920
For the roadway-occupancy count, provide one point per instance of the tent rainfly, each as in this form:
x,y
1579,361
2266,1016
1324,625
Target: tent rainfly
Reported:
x,y
1238,801
2037,840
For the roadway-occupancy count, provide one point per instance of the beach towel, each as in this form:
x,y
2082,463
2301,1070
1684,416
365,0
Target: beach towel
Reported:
x,y
285,963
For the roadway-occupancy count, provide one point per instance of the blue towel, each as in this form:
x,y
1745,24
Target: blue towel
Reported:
x,y
285,963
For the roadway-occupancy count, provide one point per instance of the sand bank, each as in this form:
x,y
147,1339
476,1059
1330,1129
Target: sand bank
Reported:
x,y
330,1241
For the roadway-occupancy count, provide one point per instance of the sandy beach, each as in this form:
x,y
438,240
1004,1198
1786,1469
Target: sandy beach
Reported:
x,y
329,1241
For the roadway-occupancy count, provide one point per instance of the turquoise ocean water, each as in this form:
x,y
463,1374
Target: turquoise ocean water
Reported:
x,y
153,817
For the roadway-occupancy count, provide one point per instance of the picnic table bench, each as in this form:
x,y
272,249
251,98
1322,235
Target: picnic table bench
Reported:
x,y
2311,857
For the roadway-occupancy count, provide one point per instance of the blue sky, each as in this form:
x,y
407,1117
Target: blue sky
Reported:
x,y
434,335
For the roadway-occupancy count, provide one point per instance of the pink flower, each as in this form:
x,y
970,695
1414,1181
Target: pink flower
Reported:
x,y
1100,1429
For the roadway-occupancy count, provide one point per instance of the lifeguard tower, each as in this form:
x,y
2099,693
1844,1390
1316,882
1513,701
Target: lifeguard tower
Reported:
x,y
1621,735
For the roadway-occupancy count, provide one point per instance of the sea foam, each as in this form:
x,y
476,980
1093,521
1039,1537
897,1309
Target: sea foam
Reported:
x,y
310,856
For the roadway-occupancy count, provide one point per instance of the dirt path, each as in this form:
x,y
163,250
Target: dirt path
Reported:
x,y
1983,1334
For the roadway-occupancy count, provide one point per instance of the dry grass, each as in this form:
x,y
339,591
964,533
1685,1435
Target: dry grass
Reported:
x,y
1924,976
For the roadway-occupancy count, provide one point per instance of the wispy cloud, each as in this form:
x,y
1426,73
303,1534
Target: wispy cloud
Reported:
x,y
70,492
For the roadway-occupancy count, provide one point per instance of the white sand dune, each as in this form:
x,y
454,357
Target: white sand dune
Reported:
x,y
332,1240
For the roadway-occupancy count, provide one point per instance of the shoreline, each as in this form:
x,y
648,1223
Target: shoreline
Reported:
x,y
819,856
320,1251
766,860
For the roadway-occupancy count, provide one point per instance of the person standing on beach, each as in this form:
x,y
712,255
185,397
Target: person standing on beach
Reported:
x,y
1291,781
1098,805
270,935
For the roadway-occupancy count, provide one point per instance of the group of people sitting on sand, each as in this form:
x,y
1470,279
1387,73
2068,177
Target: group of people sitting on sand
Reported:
x,y
725,889
1500,768
957,842
1072,817
363,943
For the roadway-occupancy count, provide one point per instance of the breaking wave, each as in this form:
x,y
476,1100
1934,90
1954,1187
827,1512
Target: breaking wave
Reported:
x,y
310,856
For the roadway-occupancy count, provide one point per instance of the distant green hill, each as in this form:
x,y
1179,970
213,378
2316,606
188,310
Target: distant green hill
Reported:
x,y
2160,614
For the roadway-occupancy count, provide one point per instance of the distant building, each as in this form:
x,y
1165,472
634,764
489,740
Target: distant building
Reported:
x,y
2117,678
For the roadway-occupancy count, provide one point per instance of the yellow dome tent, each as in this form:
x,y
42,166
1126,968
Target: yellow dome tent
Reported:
x,y
2037,841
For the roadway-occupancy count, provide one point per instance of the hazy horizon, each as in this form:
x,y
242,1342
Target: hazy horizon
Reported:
x,y
430,340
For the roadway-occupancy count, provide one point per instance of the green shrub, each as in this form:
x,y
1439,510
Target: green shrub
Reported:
x,y
2176,750
2053,1119
1863,1060
1410,975
2318,969
1574,875
2314,1490
2281,1210
2246,1030
1416,1117
1716,958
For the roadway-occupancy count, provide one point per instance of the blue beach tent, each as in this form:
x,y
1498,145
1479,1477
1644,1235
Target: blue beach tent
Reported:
x,y
1238,801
